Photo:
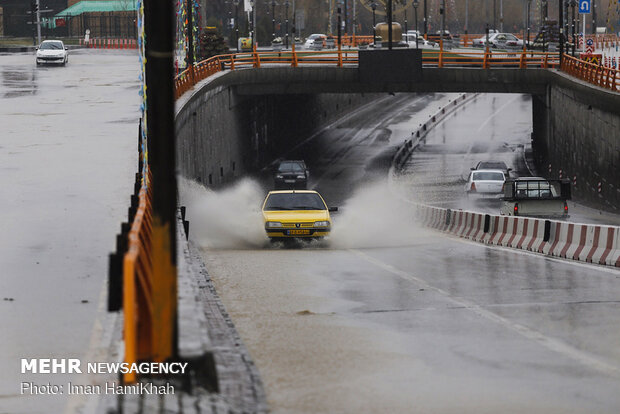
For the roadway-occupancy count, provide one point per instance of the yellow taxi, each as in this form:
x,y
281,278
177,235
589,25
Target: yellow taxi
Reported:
x,y
296,214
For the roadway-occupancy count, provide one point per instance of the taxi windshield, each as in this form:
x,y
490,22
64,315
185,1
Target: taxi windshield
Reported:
x,y
294,201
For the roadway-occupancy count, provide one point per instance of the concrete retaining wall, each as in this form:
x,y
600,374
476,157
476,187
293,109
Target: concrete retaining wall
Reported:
x,y
221,135
577,136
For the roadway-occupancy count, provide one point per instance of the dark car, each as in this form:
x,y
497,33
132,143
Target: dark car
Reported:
x,y
493,165
291,174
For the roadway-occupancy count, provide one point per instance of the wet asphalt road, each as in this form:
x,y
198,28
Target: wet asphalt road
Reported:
x,y
67,160
390,317
492,127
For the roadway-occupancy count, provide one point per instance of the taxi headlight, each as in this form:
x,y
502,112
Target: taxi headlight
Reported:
x,y
272,224
321,224
301,176
279,176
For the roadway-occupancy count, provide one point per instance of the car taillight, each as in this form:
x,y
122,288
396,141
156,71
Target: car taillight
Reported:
x,y
516,209
473,187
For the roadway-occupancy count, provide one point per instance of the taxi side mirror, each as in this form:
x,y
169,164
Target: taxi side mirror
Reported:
x,y
332,209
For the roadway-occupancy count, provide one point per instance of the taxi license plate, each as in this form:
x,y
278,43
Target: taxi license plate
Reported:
x,y
298,232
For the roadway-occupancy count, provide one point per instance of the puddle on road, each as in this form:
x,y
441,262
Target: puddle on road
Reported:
x,y
19,82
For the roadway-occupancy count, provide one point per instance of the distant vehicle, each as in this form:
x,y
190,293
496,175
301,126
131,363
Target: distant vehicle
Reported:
x,y
493,165
315,41
448,41
411,38
52,52
536,197
245,44
485,183
296,214
291,174
499,41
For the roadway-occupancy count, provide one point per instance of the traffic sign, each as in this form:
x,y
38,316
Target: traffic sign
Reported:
x,y
584,6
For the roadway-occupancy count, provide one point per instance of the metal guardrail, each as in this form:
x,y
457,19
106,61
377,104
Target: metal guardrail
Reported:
x,y
602,76
434,58
137,288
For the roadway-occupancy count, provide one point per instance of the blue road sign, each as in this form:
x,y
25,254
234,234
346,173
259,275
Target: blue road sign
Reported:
x,y
589,42
584,6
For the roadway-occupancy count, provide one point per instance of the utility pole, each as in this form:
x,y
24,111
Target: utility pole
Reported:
x,y
501,16
466,17
593,16
39,21
389,22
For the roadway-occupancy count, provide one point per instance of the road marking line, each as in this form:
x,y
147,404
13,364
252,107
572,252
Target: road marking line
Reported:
x,y
552,344
496,112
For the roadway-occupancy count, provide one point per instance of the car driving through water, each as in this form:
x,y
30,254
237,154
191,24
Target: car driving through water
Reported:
x,y
296,214
536,197
52,51
485,183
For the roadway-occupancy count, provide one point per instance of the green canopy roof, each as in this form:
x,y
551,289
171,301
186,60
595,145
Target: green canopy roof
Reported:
x,y
99,6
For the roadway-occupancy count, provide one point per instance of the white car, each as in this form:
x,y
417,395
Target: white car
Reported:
x,y
310,41
499,41
410,38
485,183
52,52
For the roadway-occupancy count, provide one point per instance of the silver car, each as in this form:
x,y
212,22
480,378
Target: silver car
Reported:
x,y
499,41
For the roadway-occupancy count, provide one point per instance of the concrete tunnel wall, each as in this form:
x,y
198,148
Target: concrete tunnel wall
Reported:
x,y
577,131
221,136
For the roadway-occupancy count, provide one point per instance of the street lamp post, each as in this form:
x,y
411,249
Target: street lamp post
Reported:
x,y
253,4
573,4
389,22
373,6
405,11
561,26
424,20
529,3
273,19
415,12
287,3
236,2
466,18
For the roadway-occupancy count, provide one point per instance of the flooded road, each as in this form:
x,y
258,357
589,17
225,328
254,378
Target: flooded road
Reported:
x,y
494,127
390,317
68,155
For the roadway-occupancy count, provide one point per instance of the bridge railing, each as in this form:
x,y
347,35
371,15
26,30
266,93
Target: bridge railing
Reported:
x,y
433,58
602,76
138,306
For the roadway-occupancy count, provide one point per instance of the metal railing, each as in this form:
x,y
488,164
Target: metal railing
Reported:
x,y
137,289
433,58
598,75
